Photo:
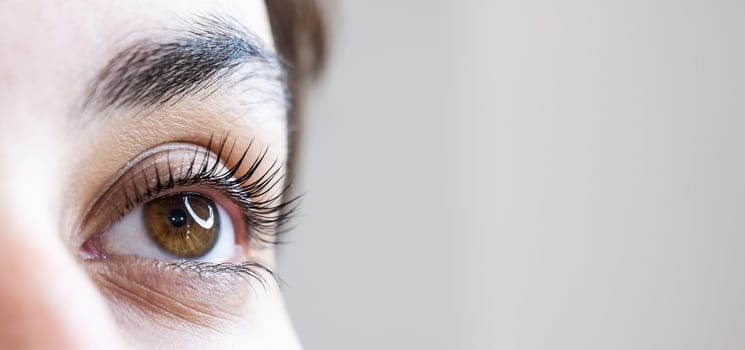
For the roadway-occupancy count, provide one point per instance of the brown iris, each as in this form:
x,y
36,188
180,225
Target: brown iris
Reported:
x,y
185,225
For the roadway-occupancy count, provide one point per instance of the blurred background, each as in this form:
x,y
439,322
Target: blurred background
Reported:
x,y
526,174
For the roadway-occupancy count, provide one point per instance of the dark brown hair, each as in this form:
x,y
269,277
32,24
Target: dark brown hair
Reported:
x,y
300,35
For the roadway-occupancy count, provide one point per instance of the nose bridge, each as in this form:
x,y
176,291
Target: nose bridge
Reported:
x,y
46,299
37,298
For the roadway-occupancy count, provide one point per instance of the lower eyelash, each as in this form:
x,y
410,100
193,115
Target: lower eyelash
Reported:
x,y
249,270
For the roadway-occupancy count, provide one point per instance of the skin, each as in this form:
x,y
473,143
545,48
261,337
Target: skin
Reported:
x,y
56,159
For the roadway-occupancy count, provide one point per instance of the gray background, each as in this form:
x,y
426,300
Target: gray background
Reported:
x,y
527,174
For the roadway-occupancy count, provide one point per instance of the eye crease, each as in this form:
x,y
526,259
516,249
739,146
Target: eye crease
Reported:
x,y
185,225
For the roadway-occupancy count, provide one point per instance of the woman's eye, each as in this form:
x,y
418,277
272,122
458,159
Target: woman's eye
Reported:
x,y
179,226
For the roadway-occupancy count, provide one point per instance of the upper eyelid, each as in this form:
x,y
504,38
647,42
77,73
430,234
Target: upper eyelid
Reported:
x,y
201,166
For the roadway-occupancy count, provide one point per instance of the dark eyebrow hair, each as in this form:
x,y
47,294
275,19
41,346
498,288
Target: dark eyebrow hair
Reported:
x,y
200,57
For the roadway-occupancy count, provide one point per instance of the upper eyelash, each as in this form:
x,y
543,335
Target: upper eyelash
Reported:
x,y
265,219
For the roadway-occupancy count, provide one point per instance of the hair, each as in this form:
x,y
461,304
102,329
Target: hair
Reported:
x,y
299,33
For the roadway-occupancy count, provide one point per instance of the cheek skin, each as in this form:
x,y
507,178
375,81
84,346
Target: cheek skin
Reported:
x,y
46,300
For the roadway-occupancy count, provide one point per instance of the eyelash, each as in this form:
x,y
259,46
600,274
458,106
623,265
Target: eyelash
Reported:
x,y
264,219
246,269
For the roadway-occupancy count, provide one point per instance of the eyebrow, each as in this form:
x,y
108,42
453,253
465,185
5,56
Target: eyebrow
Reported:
x,y
209,53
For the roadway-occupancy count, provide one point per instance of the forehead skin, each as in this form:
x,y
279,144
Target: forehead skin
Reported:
x,y
50,51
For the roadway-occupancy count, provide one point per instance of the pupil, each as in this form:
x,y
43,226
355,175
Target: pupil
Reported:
x,y
177,217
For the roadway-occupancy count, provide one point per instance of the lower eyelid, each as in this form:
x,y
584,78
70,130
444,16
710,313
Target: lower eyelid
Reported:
x,y
177,294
